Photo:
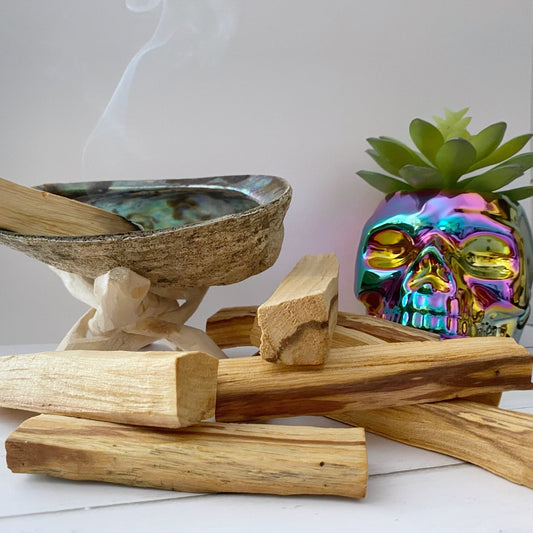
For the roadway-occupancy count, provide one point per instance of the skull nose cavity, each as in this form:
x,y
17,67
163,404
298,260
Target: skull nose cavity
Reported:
x,y
427,288
429,274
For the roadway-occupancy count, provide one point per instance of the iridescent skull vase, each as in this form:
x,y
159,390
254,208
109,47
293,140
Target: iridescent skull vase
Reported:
x,y
457,264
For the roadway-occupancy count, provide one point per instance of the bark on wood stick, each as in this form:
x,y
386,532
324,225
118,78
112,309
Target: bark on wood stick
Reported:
x,y
27,210
162,389
498,440
297,321
237,326
209,457
369,377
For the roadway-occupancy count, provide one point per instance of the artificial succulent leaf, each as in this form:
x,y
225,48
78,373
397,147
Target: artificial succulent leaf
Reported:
x,y
488,139
503,152
524,160
396,153
454,158
414,154
455,116
383,162
521,193
422,177
427,138
383,183
453,124
493,179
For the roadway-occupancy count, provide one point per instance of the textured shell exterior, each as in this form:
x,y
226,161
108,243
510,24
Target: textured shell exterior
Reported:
x,y
218,251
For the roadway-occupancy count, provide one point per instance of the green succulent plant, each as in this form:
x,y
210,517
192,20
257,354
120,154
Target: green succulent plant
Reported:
x,y
448,157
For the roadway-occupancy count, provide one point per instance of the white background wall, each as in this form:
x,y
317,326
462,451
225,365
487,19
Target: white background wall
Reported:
x,y
285,87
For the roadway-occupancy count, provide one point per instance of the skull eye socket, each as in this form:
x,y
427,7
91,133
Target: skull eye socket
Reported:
x,y
488,257
388,249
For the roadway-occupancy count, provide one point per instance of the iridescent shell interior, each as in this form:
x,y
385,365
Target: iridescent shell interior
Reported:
x,y
160,204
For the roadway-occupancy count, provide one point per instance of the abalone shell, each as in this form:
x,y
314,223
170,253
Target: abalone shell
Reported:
x,y
195,232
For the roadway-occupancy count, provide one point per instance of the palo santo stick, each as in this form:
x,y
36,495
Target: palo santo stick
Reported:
x,y
209,457
237,326
162,389
346,337
368,377
30,211
232,327
498,440
297,321
384,329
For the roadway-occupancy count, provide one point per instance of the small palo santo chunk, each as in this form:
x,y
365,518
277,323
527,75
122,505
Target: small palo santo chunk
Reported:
x,y
161,389
498,440
297,321
27,210
209,457
368,377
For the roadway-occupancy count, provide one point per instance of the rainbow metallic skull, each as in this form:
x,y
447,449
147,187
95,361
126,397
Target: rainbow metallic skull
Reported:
x,y
458,264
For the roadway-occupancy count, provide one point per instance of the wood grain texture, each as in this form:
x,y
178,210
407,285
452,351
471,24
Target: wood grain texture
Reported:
x,y
366,377
498,440
162,389
209,457
30,211
297,321
345,338
231,327
384,329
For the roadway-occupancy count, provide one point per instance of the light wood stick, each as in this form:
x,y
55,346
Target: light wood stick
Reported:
x,y
163,389
399,423
237,326
498,440
232,327
297,321
384,329
368,377
346,337
30,211
209,457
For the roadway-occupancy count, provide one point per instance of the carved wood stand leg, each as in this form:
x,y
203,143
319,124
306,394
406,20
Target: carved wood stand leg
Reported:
x,y
126,315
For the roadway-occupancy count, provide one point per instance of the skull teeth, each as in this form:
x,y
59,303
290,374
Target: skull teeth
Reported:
x,y
439,323
452,306
417,320
436,304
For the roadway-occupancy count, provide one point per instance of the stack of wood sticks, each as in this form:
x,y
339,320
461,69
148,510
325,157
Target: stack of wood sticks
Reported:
x,y
139,418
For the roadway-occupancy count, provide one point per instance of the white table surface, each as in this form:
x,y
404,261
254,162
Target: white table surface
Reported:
x,y
408,490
